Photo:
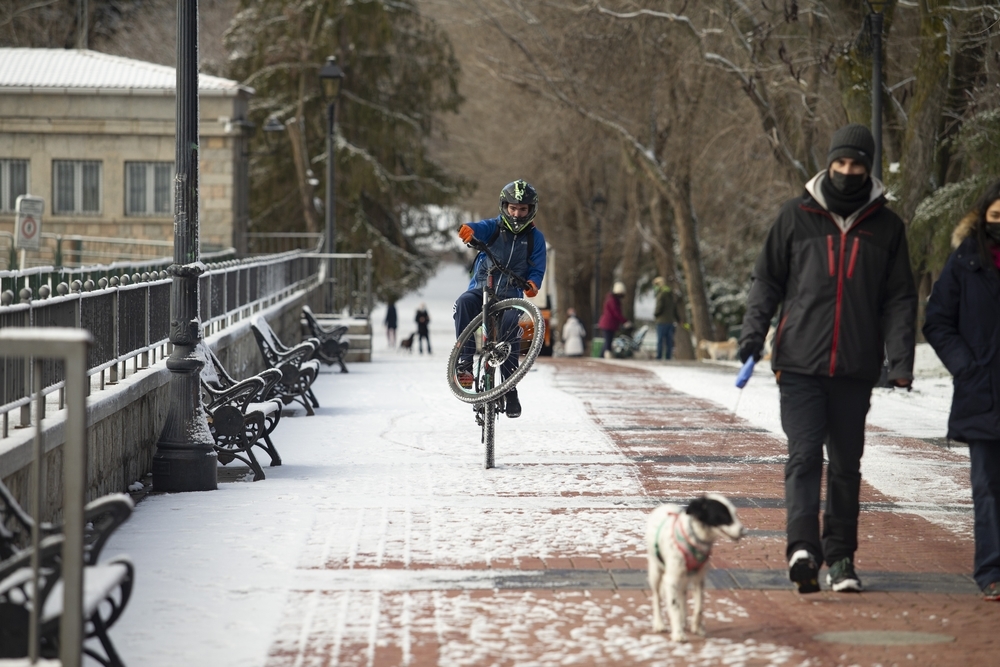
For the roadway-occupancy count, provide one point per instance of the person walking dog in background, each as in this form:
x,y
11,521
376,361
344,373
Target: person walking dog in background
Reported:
x,y
666,317
423,321
573,334
390,324
611,316
837,262
963,327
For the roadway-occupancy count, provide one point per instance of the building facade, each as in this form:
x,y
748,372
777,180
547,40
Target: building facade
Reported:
x,y
93,135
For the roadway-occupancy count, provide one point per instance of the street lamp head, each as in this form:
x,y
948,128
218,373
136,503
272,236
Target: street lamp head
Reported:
x,y
877,5
598,203
331,76
274,125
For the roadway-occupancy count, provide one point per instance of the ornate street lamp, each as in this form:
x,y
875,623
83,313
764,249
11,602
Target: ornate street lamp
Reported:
x,y
185,458
877,7
331,76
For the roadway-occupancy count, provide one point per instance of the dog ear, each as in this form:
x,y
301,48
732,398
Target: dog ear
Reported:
x,y
710,511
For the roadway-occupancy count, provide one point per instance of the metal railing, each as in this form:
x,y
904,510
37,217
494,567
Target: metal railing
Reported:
x,y
75,250
70,348
347,283
129,317
265,243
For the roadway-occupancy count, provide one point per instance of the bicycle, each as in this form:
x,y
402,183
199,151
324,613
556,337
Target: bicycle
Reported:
x,y
502,329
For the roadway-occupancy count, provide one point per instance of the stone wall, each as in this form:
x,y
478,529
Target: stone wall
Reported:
x,y
126,419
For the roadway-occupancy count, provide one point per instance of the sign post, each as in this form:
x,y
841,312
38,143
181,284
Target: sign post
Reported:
x,y
28,232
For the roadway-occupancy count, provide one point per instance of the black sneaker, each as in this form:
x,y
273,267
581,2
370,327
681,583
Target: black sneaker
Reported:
x,y
803,570
513,405
842,577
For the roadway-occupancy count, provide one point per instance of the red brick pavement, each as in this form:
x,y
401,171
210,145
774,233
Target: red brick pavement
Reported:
x,y
609,627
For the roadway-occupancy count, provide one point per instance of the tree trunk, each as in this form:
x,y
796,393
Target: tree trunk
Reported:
x,y
925,120
632,250
687,240
301,158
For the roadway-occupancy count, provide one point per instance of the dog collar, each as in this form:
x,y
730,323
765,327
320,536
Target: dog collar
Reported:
x,y
695,551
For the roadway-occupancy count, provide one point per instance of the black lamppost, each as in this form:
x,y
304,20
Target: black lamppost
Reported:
x,y
597,207
331,76
185,459
876,26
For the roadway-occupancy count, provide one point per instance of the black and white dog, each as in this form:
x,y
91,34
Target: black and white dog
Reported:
x,y
678,544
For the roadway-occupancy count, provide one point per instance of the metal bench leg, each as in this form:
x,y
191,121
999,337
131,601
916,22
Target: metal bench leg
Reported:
x,y
271,450
109,649
312,397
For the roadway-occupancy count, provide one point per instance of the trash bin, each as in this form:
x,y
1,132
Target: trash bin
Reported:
x,y
597,347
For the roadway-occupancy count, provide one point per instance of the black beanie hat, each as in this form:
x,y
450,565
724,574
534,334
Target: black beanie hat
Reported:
x,y
853,141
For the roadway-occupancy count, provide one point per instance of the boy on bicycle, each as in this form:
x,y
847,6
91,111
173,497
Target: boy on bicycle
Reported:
x,y
513,239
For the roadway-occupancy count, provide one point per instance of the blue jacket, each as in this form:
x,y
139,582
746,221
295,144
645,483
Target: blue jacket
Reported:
x,y
963,327
513,251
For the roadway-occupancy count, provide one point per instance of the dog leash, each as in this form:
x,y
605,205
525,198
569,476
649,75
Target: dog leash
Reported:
x,y
741,381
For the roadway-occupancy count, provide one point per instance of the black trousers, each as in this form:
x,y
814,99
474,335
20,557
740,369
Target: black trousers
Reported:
x,y
985,473
816,411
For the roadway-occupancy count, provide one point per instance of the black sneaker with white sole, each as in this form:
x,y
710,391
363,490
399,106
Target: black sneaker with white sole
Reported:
x,y
842,577
803,570
513,405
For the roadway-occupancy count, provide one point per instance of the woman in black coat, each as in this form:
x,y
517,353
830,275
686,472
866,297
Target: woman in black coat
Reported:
x,y
963,326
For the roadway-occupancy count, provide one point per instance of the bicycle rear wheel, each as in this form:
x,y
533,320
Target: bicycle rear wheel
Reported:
x,y
489,430
492,350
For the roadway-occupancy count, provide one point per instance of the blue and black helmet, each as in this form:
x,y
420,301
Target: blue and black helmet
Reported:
x,y
518,192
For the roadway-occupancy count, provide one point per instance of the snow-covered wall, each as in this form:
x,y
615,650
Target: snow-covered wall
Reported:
x,y
125,419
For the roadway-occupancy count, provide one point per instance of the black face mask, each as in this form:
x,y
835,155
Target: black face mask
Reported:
x,y
847,184
993,232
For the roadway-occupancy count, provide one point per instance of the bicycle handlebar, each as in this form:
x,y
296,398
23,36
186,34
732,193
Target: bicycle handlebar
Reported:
x,y
516,279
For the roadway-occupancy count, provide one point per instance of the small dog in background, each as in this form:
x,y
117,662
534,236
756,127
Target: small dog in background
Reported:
x,y
727,350
678,544
407,343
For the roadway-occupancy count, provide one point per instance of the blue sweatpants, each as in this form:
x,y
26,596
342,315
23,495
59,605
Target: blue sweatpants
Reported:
x,y
467,307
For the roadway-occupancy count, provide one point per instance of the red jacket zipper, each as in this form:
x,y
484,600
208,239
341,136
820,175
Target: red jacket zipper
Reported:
x,y
829,253
854,258
840,299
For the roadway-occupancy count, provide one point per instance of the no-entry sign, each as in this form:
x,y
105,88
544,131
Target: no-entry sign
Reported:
x,y
29,222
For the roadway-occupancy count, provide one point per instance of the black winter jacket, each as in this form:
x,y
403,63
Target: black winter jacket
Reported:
x,y
846,297
963,327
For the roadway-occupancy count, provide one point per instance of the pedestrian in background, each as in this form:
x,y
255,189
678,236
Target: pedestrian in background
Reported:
x,y
963,327
611,316
837,262
573,334
666,318
390,324
423,321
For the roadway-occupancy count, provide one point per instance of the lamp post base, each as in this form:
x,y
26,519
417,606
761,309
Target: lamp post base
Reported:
x,y
179,470
185,458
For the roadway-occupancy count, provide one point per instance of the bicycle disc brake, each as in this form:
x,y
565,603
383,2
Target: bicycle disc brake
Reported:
x,y
498,353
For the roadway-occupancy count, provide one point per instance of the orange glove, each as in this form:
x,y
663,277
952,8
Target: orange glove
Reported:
x,y
465,233
532,289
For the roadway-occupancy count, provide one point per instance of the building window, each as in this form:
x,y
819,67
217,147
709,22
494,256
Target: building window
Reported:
x,y
13,183
77,186
147,188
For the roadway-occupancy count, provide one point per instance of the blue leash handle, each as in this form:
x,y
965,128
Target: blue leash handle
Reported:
x,y
744,375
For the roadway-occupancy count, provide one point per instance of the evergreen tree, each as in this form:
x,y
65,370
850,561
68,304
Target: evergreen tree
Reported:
x,y
400,74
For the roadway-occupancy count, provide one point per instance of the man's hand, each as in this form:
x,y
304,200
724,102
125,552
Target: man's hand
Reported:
x,y
465,233
532,289
750,350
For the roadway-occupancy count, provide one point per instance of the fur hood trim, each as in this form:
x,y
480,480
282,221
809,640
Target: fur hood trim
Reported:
x,y
965,228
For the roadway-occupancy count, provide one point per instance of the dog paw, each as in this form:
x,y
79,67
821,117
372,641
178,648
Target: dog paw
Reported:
x,y
700,631
658,626
678,637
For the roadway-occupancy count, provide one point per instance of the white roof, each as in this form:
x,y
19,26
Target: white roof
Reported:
x,y
81,71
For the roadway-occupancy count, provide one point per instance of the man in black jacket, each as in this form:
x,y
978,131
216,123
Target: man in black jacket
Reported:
x,y
837,262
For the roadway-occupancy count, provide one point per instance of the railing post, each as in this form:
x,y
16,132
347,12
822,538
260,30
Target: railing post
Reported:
x,y
185,459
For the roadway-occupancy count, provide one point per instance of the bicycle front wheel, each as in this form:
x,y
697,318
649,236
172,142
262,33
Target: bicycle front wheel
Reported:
x,y
497,343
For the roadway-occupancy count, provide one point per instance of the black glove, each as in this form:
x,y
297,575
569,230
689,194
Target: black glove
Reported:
x,y
748,350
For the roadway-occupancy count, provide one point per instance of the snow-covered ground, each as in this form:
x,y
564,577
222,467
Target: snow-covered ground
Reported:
x,y
389,472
